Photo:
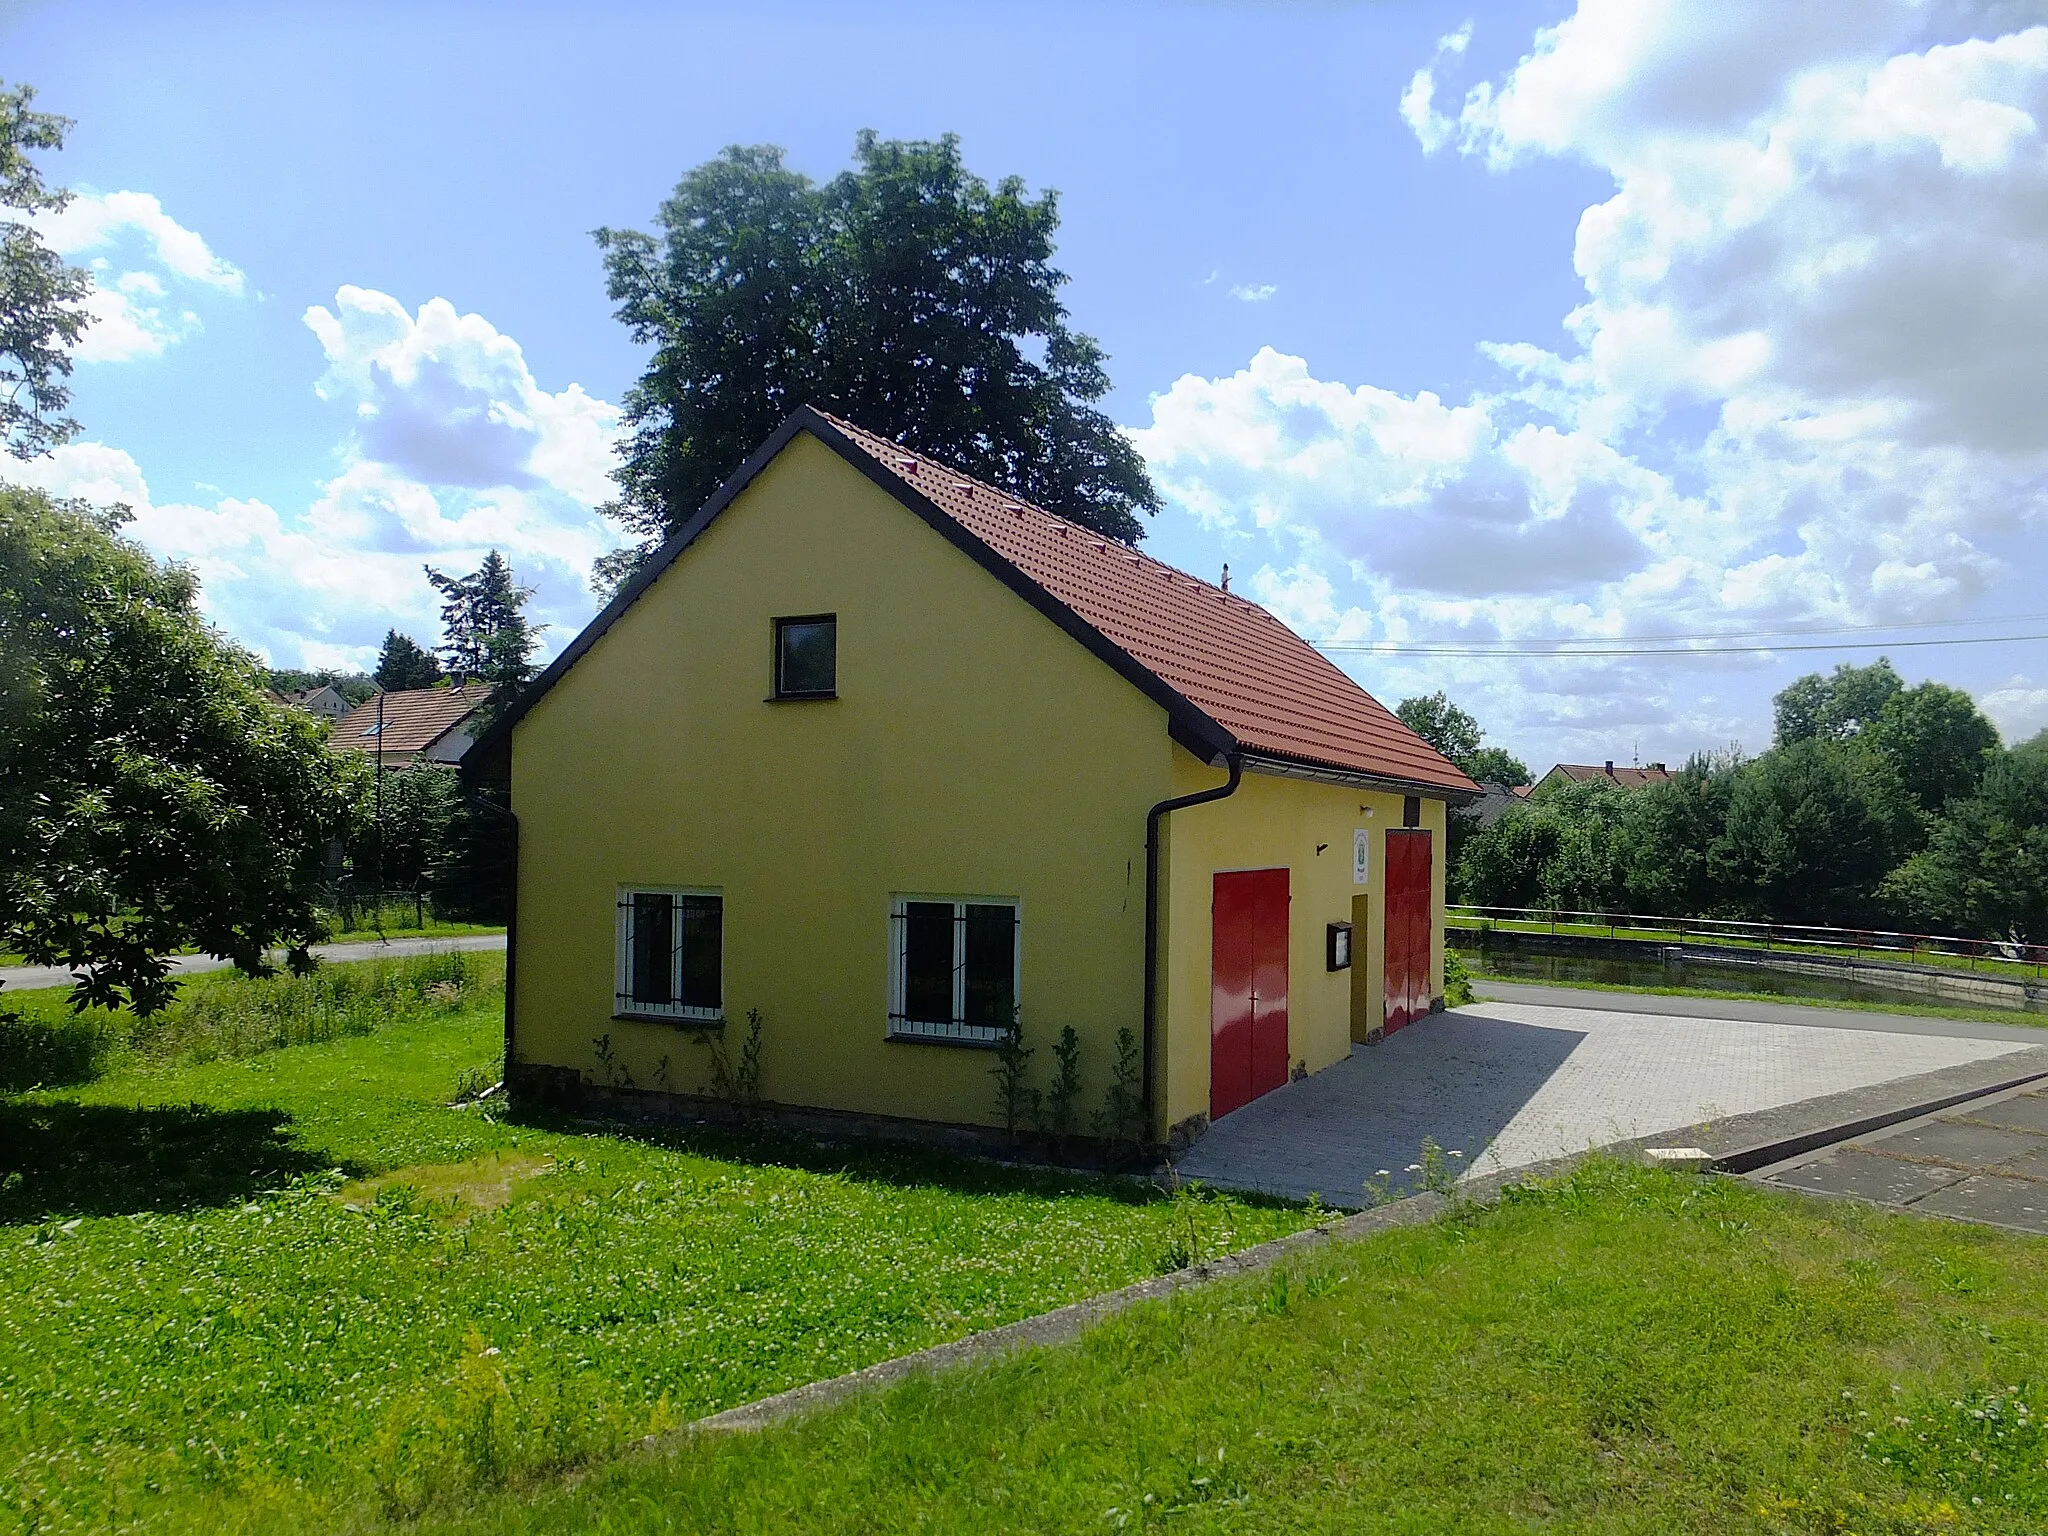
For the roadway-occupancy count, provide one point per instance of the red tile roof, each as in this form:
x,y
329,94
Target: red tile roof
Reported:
x,y
1627,778
413,719
1229,657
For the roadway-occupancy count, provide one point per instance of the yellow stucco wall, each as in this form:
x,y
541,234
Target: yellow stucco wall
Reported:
x,y
973,750
1271,822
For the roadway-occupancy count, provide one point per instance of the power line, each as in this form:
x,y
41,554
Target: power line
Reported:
x,y
1834,629
1370,648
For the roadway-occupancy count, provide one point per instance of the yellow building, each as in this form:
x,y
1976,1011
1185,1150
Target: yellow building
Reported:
x,y
900,763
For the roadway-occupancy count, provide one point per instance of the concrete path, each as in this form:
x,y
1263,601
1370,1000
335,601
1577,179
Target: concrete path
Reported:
x,y
1511,1084
27,978
1984,1161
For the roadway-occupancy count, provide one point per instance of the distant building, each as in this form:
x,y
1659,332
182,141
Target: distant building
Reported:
x,y
324,701
419,725
1493,803
1585,773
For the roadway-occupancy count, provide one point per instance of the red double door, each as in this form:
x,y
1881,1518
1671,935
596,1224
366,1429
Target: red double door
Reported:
x,y
1406,971
1248,988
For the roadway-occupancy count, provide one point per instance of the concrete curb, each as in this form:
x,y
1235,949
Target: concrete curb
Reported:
x,y
1060,1326
1735,1145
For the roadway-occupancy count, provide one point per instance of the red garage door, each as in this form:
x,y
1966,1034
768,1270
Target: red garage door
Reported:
x,y
1248,988
1406,971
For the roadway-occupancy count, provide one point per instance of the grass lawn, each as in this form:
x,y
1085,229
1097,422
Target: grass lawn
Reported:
x,y
1624,1351
2025,1018
248,1283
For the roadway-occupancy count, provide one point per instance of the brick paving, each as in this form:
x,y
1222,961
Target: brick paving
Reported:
x,y
1510,1084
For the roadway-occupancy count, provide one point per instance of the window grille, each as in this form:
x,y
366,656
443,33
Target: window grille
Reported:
x,y
671,955
953,971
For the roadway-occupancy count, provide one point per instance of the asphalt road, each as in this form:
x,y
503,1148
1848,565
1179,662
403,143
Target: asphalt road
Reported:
x,y
1762,1012
28,978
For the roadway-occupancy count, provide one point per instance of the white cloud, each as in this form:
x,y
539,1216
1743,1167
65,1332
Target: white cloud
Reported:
x,y
1253,293
449,449
137,310
449,400
1809,379
2018,709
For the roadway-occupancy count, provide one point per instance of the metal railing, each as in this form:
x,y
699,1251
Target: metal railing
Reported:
x,y
1937,949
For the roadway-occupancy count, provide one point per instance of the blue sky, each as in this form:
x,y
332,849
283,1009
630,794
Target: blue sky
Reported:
x,y
1444,325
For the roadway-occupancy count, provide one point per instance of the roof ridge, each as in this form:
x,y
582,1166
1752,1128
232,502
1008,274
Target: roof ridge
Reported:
x,y
1016,499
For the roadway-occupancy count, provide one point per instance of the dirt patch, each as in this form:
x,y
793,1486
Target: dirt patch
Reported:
x,y
484,1183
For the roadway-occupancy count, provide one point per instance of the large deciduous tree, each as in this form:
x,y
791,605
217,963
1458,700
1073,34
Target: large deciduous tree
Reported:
x,y
906,294
40,317
152,797
1984,870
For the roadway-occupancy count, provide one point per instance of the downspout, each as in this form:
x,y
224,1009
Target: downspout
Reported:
x,y
1153,820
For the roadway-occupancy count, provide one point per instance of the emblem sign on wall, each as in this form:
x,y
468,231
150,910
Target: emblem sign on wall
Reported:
x,y
1361,857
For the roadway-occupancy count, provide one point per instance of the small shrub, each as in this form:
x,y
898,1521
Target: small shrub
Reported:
x,y
1457,980
1061,1097
1016,1101
1120,1121
616,1073
738,1082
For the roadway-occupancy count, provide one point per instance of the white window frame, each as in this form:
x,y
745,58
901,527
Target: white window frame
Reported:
x,y
624,1004
953,1031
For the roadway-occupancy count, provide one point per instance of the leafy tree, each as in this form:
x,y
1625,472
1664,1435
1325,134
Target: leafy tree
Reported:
x,y
1813,829
1938,740
1503,864
1835,707
485,634
40,295
1985,867
1666,831
404,664
905,294
1496,765
398,845
152,797
1442,724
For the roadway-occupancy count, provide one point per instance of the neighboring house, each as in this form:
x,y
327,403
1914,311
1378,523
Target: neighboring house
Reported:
x,y
423,725
880,752
324,701
1493,803
1585,773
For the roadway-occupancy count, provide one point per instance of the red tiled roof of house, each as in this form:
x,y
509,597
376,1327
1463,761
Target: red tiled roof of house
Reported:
x,y
1627,778
413,719
1229,657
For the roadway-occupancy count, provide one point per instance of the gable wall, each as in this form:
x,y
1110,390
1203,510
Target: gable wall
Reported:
x,y
974,750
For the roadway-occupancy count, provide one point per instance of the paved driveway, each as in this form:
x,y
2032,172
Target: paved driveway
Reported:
x,y
1510,1083
1982,1161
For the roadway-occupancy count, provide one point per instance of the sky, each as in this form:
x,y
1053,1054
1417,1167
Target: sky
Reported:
x,y
1455,330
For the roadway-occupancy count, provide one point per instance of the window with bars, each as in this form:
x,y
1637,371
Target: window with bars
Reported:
x,y
671,955
953,968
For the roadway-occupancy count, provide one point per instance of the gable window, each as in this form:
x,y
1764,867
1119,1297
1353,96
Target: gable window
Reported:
x,y
671,959
953,968
807,657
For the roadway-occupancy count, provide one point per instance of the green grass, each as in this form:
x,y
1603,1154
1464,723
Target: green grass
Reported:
x,y
283,1287
1623,1351
1983,965
2025,1018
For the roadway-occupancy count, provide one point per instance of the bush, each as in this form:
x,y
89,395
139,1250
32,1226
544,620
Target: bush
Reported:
x,y
1457,980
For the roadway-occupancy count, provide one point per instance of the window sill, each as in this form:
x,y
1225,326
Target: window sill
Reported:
x,y
897,1036
799,698
626,1016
